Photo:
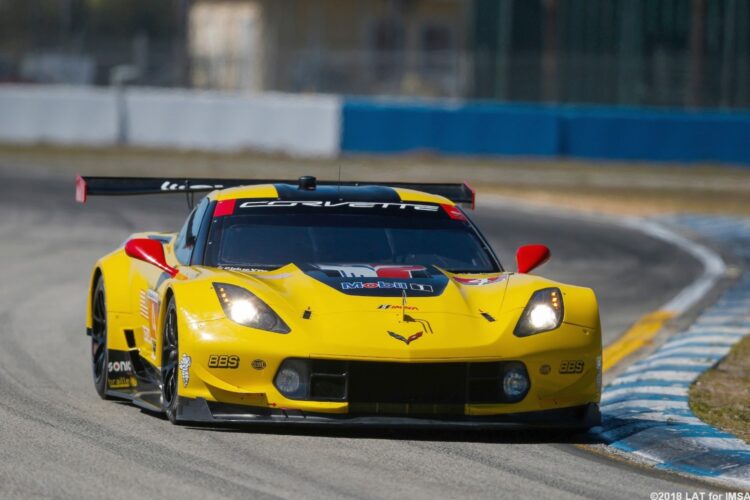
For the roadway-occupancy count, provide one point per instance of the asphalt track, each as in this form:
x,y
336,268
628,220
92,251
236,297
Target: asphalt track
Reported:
x,y
58,439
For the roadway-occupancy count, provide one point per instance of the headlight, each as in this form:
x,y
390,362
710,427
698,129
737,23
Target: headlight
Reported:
x,y
246,309
543,313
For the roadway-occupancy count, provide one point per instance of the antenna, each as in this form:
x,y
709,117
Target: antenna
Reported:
x,y
338,190
403,306
189,195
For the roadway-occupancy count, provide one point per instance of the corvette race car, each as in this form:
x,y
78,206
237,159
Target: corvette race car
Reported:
x,y
336,303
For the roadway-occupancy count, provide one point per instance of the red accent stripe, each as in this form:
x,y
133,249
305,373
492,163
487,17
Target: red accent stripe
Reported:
x,y
81,189
453,212
224,207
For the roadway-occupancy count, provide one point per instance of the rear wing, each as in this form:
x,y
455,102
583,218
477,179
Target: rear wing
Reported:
x,y
123,186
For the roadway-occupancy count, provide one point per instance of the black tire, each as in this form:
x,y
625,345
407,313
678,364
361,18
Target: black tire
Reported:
x,y
170,363
99,351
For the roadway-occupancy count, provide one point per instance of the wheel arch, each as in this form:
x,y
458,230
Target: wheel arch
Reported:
x,y
96,274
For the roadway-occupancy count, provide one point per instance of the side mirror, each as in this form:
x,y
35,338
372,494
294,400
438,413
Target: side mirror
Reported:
x,y
150,251
529,257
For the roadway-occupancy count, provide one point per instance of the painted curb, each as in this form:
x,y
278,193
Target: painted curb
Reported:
x,y
645,410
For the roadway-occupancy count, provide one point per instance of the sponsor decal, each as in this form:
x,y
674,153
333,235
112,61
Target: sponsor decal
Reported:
x,y
405,340
121,382
398,307
119,367
143,304
174,186
185,362
373,271
258,364
376,280
243,269
571,366
419,287
480,281
354,285
229,361
150,305
339,204
120,371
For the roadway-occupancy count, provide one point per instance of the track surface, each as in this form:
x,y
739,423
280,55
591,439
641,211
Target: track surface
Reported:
x,y
58,439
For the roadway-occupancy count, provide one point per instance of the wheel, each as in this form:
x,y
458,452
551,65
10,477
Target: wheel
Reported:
x,y
169,363
99,352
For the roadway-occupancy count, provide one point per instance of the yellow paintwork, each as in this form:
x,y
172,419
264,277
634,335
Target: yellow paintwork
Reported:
x,y
351,327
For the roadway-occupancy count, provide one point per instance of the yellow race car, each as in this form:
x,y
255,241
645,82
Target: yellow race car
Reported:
x,y
337,303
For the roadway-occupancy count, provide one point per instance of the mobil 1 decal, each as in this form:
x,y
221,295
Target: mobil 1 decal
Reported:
x,y
380,280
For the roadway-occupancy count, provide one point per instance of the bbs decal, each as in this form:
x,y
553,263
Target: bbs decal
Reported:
x,y
571,366
229,361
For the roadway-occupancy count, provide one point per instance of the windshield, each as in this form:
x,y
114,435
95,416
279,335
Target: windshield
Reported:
x,y
268,241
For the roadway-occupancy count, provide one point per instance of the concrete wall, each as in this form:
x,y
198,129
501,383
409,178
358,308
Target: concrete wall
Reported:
x,y
285,123
57,115
297,125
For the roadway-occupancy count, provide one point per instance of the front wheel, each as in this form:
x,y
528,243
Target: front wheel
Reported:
x,y
99,352
169,362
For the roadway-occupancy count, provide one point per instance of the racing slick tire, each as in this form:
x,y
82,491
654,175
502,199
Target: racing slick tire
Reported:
x,y
99,351
170,363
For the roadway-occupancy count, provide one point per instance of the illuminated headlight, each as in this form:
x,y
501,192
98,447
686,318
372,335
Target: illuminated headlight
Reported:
x,y
543,313
515,382
292,379
246,309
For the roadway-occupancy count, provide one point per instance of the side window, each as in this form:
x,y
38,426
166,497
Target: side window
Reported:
x,y
185,243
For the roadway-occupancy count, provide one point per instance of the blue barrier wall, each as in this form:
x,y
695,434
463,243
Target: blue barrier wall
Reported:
x,y
470,129
385,127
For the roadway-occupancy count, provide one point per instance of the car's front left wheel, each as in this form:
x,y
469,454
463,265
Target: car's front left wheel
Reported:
x,y
170,363
99,352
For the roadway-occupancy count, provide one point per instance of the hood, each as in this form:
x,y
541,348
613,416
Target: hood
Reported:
x,y
335,289
407,313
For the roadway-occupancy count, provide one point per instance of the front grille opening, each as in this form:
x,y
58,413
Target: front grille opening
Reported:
x,y
423,383
485,391
328,367
327,387
387,388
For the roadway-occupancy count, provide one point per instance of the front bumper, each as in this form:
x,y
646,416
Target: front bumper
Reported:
x,y
201,411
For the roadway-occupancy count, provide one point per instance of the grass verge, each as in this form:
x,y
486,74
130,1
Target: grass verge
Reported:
x,y
721,396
